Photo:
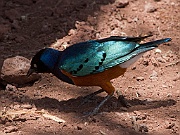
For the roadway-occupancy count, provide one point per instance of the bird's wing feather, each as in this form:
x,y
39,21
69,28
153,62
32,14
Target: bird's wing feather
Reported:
x,y
93,57
123,38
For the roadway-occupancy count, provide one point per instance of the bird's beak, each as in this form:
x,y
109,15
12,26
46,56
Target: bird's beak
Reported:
x,y
30,71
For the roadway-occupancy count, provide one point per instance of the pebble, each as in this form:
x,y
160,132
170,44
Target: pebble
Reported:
x,y
149,8
164,86
154,75
160,59
140,78
158,51
169,125
10,129
16,107
124,109
10,87
26,106
140,116
79,128
71,32
154,62
143,128
122,3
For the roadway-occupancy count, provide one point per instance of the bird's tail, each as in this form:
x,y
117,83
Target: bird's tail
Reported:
x,y
155,43
151,45
138,52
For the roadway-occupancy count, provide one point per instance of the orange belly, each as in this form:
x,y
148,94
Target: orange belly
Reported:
x,y
98,79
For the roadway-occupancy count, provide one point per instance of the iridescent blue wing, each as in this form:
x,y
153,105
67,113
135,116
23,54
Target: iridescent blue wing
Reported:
x,y
92,57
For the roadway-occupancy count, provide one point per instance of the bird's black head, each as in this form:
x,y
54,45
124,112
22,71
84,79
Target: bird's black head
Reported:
x,y
37,65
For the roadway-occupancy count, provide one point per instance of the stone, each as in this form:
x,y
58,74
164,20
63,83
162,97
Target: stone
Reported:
x,y
143,128
26,106
140,78
10,129
150,8
122,3
154,75
10,87
14,71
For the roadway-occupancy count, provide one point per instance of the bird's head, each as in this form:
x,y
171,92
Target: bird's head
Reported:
x,y
37,64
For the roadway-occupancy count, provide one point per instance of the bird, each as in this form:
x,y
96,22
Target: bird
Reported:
x,y
93,62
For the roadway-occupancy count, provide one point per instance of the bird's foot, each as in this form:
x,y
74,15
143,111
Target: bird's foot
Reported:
x,y
95,111
123,100
88,97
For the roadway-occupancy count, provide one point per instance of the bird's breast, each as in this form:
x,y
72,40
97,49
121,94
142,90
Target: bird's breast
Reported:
x,y
97,79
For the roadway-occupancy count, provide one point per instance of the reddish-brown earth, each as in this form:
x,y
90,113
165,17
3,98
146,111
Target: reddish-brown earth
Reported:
x,y
151,85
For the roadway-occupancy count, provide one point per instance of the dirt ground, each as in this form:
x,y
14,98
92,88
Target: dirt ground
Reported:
x,y
151,85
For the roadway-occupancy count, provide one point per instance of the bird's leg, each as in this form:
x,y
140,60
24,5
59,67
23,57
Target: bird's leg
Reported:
x,y
110,90
99,106
88,97
122,99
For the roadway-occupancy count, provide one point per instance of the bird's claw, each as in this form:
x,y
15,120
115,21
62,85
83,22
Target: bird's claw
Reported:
x,y
122,99
92,113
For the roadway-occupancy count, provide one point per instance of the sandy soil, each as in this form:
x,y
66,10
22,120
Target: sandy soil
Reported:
x,y
152,85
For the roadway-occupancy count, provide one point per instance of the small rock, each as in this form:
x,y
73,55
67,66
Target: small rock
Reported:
x,y
143,128
149,8
154,62
138,94
140,116
16,107
134,67
10,129
79,128
134,9
140,78
122,3
124,109
172,116
164,86
71,32
85,123
14,71
10,87
26,106
158,51
169,95
170,125
102,133
154,75
176,78
160,59
137,113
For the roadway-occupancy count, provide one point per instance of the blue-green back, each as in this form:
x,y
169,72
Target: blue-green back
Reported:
x,y
93,57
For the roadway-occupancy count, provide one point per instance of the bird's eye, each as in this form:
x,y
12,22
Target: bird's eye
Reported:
x,y
35,65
